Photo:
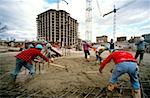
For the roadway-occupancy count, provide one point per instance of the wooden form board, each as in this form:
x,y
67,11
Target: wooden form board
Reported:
x,y
90,72
57,65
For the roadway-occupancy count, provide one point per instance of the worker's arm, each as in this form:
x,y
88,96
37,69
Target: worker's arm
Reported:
x,y
102,65
42,56
89,45
37,60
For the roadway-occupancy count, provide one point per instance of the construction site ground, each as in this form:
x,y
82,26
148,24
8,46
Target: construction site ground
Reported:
x,y
68,77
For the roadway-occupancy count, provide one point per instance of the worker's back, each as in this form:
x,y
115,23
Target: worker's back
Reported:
x,y
120,56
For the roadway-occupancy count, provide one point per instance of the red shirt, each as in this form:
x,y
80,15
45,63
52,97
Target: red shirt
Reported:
x,y
118,57
29,54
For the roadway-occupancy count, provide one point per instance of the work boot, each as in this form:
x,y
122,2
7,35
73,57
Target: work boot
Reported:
x,y
31,75
136,93
111,87
86,60
141,63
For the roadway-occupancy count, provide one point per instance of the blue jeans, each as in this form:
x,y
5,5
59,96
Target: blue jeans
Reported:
x,y
98,58
19,64
126,67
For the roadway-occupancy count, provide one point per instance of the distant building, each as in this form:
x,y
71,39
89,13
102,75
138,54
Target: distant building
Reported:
x,y
57,26
79,41
101,39
120,39
134,39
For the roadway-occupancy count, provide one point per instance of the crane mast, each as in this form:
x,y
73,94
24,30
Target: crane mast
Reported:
x,y
114,20
88,20
114,24
114,11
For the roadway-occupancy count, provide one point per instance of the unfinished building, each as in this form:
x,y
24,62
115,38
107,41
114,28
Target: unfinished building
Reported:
x,y
57,26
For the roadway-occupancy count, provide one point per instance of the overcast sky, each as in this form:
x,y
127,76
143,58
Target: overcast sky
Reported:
x,y
132,19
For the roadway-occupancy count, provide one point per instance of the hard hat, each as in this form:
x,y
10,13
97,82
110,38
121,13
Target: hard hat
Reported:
x,y
102,48
84,41
141,38
39,46
30,46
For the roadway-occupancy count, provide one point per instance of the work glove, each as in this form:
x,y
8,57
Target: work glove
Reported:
x,y
37,60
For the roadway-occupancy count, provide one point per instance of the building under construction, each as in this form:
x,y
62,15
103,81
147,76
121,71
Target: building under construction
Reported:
x,y
57,26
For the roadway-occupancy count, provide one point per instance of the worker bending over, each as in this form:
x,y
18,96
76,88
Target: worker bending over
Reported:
x,y
124,63
25,59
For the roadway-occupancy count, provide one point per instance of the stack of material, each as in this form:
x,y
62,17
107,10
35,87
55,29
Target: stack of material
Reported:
x,y
3,49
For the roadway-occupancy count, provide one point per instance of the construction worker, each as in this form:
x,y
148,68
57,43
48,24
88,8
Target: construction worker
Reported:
x,y
25,59
99,51
124,63
111,45
47,51
30,46
141,46
86,47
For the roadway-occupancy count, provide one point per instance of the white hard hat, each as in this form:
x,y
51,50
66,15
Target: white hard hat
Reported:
x,y
31,46
141,38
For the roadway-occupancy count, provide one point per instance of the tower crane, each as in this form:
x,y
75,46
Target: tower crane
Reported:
x,y
114,11
88,20
114,21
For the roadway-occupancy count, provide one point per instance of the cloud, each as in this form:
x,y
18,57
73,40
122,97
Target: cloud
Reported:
x,y
20,16
132,17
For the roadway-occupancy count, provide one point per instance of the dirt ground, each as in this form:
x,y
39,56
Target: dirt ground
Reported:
x,y
53,80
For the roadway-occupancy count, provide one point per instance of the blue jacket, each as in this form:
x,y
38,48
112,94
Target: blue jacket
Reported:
x,y
141,45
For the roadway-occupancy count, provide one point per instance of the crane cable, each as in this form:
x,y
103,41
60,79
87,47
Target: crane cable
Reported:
x,y
65,1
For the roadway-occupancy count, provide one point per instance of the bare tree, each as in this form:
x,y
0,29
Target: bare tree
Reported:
x,y
3,28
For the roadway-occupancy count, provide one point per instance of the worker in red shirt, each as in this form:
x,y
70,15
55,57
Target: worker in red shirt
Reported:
x,y
124,63
25,59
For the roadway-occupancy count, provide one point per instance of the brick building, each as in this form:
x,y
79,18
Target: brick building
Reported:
x,y
101,39
120,39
